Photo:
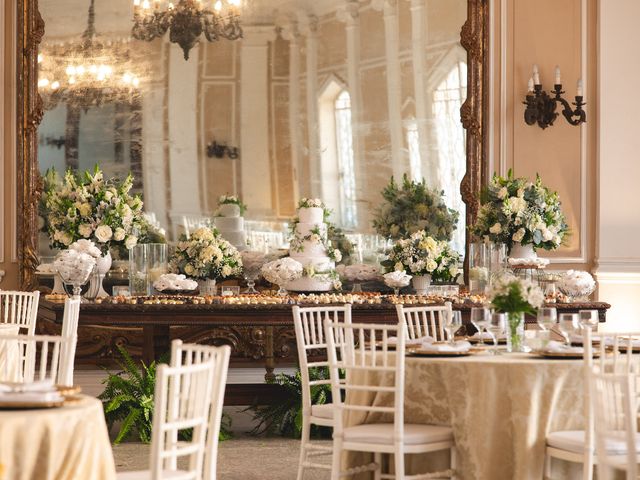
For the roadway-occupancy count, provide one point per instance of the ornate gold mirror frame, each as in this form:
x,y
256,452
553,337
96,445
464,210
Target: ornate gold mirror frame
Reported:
x,y
30,30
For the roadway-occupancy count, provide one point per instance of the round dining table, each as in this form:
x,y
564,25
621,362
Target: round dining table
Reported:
x,y
500,407
64,443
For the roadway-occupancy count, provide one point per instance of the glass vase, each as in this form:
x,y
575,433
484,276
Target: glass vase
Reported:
x,y
479,267
147,262
515,332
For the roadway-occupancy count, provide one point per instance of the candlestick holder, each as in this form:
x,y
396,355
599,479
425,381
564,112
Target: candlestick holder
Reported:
x,y
541,107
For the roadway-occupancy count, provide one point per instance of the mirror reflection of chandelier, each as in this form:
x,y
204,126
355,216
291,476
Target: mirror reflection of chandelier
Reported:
x,y
87,72
186,21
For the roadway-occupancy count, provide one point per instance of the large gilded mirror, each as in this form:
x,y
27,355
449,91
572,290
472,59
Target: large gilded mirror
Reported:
x,y
324,99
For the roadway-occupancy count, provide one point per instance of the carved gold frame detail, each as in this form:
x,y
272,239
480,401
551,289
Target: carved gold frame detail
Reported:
x,y
30,30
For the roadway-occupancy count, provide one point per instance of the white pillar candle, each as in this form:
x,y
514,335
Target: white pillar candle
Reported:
x,y
530,85
558,78
579,88
536,75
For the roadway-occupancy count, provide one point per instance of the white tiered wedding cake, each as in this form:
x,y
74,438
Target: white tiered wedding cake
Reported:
x,y
230,222
311,247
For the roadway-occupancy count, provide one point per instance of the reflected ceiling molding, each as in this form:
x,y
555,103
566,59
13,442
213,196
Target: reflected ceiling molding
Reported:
x,y
88,71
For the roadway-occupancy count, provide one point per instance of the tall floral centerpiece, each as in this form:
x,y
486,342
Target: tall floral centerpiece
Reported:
x,y
206,257
515,297
522,214
86,206
411,207
425,258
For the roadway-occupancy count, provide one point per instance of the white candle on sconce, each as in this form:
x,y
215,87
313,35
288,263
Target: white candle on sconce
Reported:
x,y
530,85
536,74
579,88
558,78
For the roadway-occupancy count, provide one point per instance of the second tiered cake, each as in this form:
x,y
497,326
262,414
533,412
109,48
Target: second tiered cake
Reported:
x,y
311,247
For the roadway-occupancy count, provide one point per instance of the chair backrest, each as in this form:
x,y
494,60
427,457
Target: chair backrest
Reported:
x,y
371,365
190,223
70,332
182,401
309,323
20,308
29,358
185,354
423,321
614,396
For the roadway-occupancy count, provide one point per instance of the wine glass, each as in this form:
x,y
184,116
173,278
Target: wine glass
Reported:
x,y
480,320
588,319
497,324
452,324
568,324
547,318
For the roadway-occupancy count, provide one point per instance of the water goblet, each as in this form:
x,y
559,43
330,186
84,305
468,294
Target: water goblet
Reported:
x,y
568,324
547,318
588,319
497,324
452,324
480,320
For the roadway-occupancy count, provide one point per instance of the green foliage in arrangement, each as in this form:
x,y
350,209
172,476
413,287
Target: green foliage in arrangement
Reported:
x,y
285,418
128,398
411,207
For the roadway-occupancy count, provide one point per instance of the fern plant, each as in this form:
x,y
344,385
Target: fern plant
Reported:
x,y
285,418
128,398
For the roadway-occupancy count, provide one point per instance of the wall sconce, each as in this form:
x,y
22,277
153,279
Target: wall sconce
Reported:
x,y
541,107
219,150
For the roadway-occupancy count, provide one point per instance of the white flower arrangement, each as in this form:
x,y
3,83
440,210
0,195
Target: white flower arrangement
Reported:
x,y
206,255
359,272
577,283
511,294
397,279
517,211
317,236
86,206
172,281
311,203
232,200
73,266
282,271
421,254
86,246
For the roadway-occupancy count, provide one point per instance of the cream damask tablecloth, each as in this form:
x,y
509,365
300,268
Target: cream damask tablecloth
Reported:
x,y
500,409
66,443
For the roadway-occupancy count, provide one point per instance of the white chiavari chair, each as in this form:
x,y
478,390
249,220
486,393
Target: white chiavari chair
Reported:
x,y
189,354
425,321
20,308
372,367
69,332
310,338
30,358
183,400
578,446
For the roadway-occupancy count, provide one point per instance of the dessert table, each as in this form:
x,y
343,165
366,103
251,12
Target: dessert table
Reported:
x,y
500,408
65,443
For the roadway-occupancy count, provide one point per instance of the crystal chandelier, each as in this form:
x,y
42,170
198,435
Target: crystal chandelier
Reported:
x,y
88,72
186,21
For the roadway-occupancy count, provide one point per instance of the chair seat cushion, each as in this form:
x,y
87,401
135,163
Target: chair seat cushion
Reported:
x,y
322,411
574,441
146,475
382,433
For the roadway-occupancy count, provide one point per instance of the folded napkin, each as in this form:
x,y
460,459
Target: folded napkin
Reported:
x,y
30,397
559,347
41,386
485,336
413,342
458,346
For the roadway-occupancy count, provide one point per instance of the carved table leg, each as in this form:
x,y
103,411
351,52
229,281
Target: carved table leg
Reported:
x,y
269,358
156,342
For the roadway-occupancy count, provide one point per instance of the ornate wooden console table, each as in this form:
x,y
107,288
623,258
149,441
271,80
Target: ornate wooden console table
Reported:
x,y
258,334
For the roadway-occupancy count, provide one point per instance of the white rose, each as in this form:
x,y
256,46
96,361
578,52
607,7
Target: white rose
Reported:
x,y
226,271
108,195
119,234
85,230
453,270
519,235
66,238
131,242
337,255
104,233
502,194
85,209
188,269
496,228
399,267
431,265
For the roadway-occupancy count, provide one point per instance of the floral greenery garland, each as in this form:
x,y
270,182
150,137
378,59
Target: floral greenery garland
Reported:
x,y
517,211
232,200
412,207
315,235
86,206
421,254
205,254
